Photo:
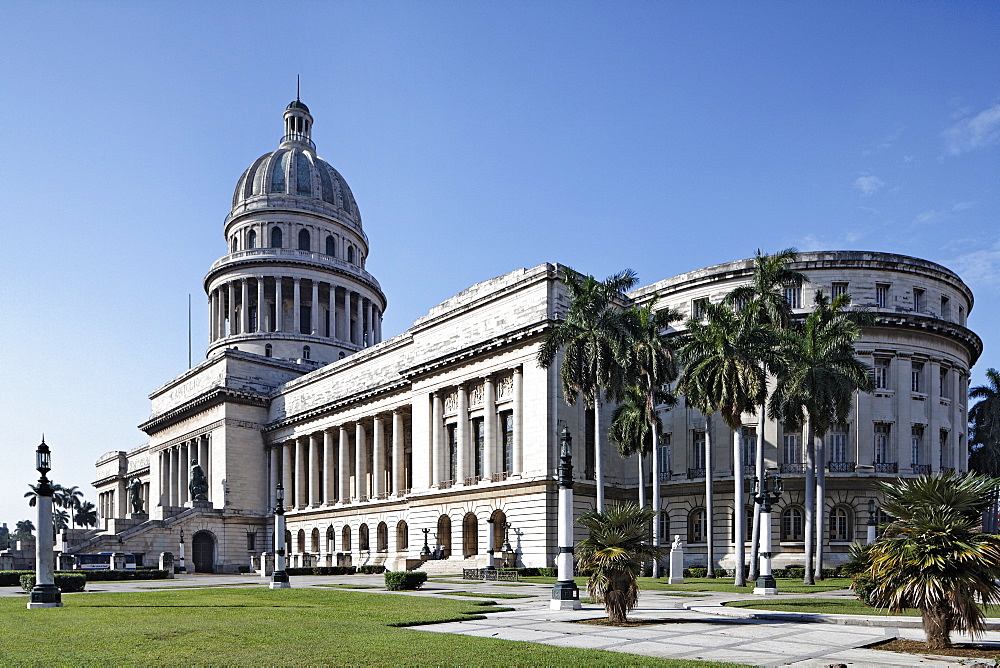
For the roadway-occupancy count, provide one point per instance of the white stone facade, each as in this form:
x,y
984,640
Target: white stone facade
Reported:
x,y
452,423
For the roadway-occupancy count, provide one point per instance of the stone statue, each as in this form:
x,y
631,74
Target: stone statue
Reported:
x,y
677,542
135,495
199,482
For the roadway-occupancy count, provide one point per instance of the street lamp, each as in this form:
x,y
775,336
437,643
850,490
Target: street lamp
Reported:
x,y
279,578
871,521
425,551
565,593
181,568
765,497
45,593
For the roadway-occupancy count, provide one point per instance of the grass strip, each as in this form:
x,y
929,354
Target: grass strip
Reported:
x,y
831,606
481,595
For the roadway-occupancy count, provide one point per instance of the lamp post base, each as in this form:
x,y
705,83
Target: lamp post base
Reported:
x,y
565,596
279,580
45,596
766,586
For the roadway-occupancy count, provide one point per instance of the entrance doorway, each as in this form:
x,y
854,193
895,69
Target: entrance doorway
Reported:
x,y
203,552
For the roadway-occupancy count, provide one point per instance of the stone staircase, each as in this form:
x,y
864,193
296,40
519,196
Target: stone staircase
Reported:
x,y
450,566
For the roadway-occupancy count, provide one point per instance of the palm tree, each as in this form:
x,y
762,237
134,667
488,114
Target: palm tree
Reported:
x,y
984,436
71,499
60,520
58,492
630,431
821,373
23,529
593,338
933,556
763,300
615,551
727,358
86,516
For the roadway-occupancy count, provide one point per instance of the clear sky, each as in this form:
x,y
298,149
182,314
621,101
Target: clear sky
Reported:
x,y
478,137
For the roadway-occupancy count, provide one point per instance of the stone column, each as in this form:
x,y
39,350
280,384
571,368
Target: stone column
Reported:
x,y
274,456
359,324
232,308
330,481
463,436
314,466
164,478
244,303
297,305
287,469
279,306
172,499
437,439
489,429
933,374
211,316
398,453
346,329
378,326
370,327
344,466
518,448
314,309
301,471
378,458
260,304
903,401
333,311
360,461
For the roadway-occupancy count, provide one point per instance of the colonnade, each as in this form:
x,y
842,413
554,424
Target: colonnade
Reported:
x,y
175,467
247,305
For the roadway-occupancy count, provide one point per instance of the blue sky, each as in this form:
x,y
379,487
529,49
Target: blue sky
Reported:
x,y
477,137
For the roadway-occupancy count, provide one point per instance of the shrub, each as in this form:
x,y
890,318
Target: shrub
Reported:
x,y
371,569
67,582
143,574
243,568
695,572
549,572
12,578
795,572
334,570
404,580
864,587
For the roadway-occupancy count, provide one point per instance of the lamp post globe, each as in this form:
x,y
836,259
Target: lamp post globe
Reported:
x,y
45,593
279,578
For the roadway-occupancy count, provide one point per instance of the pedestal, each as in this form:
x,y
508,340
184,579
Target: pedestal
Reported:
x,y
45,596
676,562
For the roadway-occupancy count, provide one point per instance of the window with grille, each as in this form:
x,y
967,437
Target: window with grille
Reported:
x,y
665,454
836,445
792,448
479,442
840,524
881,373
696,526
699,308
749,446
793,297
945,450
698,449
883,430
838,288
945,307
882,295
452,451
917,445
507,440
664,520
945,384
918,300
917,377
791,524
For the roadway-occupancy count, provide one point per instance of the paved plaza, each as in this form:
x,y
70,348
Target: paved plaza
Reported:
x,y
695,627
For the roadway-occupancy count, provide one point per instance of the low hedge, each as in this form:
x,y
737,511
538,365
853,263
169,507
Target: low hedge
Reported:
x,y
371,569
404,580
67,582
12,578
701,572
334,570
143,574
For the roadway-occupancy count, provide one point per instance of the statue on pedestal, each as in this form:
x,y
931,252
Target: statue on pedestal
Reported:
x,y
135,495
199,482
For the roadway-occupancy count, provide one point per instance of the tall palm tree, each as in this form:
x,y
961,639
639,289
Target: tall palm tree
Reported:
x,y
86,515
615,551
58,495
23,528
593,338
652,368
60,520
984,436
763,300
727,358
630,431
72,497
821,373
933,556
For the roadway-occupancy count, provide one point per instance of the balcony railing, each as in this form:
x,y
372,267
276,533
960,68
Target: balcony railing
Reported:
x,y
841,467
664,475
792,467
292,254
499,476
749,471
445,484
696,473
922,469
472,480
886,467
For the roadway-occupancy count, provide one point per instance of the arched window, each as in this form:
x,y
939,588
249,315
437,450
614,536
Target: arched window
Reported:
x,y
697,529
791,523
232,245
276,240
363,538
288,541
267,350
402,537
382,537
305,352
345,539
664,520
331,246
350,254
499,520
315,541
444,535
330,539
840,524
252,239
304,240
470,535
300,542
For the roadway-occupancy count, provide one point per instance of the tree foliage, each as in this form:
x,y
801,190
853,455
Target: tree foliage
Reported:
x,y
984,420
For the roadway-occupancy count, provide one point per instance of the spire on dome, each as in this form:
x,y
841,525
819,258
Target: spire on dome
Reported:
x,y
298,122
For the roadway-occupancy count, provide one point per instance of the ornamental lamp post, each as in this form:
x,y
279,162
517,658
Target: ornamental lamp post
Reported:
x,y
45,593
181,568
565,593
279,578
871,521
765,497
425,551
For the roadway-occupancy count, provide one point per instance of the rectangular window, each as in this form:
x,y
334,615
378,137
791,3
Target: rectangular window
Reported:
x,y
664,520
697,449
665,454
749,446
452,451
836,444
961,316
881,373
839,288
918,300
945,450
883,431
917,445
917,377
479,443
882,295
699,307
251,541
793,448
507,440
793,297
945,308
945,385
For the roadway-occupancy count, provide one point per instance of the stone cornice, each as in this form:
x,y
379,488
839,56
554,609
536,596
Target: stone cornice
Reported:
x,y
458,357
336,405
201,403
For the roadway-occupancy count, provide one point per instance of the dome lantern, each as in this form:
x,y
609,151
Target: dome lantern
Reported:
x,y
298,125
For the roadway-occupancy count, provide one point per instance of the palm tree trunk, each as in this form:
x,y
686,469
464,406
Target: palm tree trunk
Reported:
x,y
755,540
810,509
642,482
656,499
709,500
739,516
598,452
820,503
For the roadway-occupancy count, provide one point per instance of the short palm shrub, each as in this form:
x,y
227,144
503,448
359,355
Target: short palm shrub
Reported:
x,y
404,580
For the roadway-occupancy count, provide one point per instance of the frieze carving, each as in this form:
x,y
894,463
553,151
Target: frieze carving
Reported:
x,y
244,424
476,395
505,387
451,402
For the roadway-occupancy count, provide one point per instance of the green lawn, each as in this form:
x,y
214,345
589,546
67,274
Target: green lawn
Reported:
x,y
259,626
717,584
